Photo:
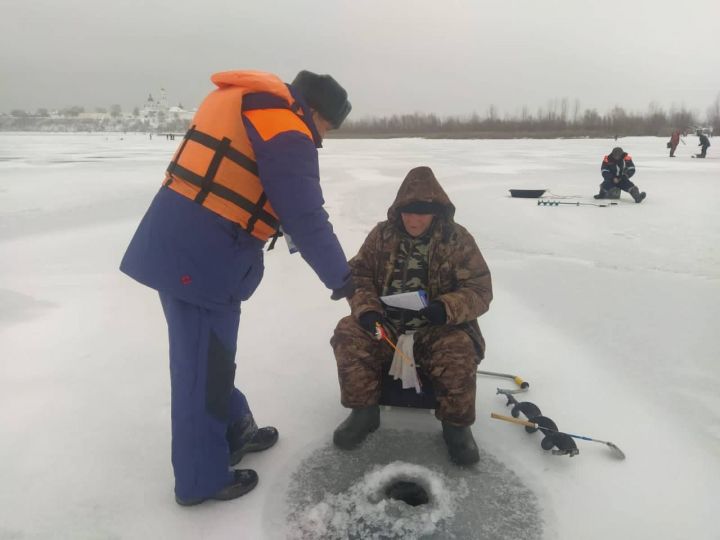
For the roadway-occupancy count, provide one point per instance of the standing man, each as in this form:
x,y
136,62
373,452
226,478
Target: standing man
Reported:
x,y
247,166
704,144
617,168
674,141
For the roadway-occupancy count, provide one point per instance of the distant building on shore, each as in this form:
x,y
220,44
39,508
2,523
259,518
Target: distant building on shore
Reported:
x,y
156,111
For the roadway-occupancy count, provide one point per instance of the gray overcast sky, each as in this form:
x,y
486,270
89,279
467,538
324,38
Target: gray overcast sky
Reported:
x,y
450,57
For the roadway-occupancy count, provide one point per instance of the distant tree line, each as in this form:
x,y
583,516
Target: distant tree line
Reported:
x,y
75,119
559,119
115,111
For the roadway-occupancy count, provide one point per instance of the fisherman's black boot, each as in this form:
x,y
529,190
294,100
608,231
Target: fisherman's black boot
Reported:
x,y
244,436
636,194
244,480
461,444
602,195
356,427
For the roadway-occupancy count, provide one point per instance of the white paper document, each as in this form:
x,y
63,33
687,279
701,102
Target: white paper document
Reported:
x,y
415,301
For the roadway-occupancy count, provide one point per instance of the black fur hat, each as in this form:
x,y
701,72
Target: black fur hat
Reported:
x,y
325,95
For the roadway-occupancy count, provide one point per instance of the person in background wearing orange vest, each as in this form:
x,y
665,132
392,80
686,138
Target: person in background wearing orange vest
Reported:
x,y
247,166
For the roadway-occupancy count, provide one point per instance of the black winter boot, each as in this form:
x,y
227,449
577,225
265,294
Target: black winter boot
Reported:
x,y
356,427
244,480
636,194
245,436
602,195
461,444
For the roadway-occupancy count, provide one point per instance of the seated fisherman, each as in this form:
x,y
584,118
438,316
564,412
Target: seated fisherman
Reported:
x,y
616,169
419,247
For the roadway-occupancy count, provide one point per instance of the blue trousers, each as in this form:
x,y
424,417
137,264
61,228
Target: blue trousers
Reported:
x,y
204,398
624,184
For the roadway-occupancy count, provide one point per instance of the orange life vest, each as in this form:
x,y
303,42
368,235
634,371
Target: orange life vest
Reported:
x,y
215,164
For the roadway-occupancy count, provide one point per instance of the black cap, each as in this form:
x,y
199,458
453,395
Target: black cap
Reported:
x,y
325,95
617,151
422,207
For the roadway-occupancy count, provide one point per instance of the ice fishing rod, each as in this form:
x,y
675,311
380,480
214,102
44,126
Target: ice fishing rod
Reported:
x,y
524,385
616,452
550,202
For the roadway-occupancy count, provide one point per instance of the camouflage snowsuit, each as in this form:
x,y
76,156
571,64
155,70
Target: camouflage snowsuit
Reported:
x,y
457,275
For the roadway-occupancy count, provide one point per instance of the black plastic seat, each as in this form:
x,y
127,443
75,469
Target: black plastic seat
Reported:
x,y
392,393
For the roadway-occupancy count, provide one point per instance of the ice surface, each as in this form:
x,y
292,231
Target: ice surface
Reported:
x,y
336,494
611,314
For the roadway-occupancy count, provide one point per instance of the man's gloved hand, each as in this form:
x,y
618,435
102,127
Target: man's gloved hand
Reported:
x,y
346,291
435,313
368,320
616,180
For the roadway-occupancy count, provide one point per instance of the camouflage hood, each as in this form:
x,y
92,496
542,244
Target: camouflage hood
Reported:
x,y
457,274
420,184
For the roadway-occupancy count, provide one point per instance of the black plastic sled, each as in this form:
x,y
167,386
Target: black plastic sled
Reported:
x,y
527,193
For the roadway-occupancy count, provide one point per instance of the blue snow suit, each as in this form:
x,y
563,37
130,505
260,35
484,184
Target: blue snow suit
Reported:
x,y
705,144
623,168
203,266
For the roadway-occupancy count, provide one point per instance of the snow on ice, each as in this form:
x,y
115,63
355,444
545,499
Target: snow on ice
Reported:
x,y
610,313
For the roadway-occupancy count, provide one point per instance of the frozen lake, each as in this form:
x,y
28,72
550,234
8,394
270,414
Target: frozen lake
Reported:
x,y
610,313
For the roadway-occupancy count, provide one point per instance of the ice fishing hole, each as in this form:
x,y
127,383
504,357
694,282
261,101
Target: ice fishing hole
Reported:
x,y
407,491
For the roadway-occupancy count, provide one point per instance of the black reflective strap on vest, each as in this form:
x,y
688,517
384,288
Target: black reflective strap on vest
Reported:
x,y
207,183
209,178
256,213
173,163
214,144
229,195
275,237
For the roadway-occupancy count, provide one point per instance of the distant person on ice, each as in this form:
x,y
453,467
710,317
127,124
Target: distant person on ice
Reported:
x,y
248,165
418,247
704,143
674,141
617,168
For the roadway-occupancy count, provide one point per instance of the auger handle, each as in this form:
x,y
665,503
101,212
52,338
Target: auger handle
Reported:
x,y
497,416
515,378
616,451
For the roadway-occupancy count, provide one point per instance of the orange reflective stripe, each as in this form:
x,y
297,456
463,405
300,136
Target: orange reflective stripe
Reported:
x,y
272,122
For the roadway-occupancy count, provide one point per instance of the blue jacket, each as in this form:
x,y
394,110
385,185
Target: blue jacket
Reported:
x,y
186,250
609,168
